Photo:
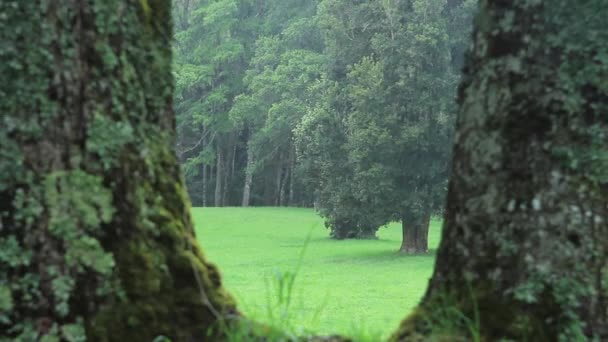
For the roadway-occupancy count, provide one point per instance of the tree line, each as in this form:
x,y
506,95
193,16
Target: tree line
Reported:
x,y
345,106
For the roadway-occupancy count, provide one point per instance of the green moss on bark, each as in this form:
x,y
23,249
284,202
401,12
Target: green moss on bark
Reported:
x,y
96,238
527,218
156,260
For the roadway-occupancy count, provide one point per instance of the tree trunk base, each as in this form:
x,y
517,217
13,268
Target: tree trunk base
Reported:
x,y
412,251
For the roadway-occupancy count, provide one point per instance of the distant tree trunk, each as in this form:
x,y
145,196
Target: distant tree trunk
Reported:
x,y
524,247
451,4
422,236
414,229
184,14
96,238
279,175
229,172
225,186
248,177
233,161
218,177
408,236
283,186
204,171
292,168
205,185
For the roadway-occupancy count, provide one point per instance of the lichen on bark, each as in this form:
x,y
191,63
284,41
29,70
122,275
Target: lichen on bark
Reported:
x,y
96,239
523,243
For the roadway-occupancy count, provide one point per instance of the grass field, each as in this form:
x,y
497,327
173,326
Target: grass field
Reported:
x,y
353,287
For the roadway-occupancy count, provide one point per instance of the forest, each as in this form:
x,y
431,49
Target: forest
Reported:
x,y
347,107
168,169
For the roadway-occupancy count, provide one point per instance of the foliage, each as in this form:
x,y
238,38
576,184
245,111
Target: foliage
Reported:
x,y
389,95
344,106
242,69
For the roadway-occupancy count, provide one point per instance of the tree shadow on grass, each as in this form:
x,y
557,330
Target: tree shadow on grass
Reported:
x,y
381,256
375,240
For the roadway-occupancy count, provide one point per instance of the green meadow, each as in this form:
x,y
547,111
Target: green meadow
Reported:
x,y
352,287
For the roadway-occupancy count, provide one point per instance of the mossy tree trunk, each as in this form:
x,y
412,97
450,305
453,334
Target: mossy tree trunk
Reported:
x,y
96,238
524,245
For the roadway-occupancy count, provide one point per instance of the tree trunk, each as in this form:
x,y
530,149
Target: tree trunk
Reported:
x,y
205,185
408,233
96,236
186,14
225,185
283,186
292,169
218,177
233,160
422,235
279,175
182,16
415,230
524,247
229,171
204,172
248,177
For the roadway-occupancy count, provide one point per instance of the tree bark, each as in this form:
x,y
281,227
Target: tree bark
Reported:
x,y
415,230
205,185
408,233
292,169
524,245
183,14
248,177
229,171
225,185
283,186
95,231
204,171
279,175
422,236
218,177
233,160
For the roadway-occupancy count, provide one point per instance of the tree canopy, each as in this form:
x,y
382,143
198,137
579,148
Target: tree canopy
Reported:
x,y
344,106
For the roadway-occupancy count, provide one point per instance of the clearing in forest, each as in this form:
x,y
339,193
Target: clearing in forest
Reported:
x,y
353,287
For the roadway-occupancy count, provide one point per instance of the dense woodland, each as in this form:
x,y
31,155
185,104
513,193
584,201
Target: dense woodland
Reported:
x,y
347,106
96,237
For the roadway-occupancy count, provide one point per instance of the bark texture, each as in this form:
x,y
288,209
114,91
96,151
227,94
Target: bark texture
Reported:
x,y
248,177
96,239
524,250
219,174
415,231
204,167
